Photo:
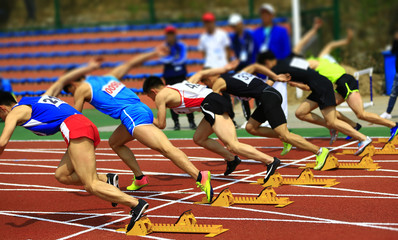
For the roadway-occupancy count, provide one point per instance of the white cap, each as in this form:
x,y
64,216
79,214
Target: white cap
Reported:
x,y
268,7
234,19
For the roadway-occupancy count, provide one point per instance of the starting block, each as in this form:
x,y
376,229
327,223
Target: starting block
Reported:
x,y
185,224
266,197
366,162
369,150
388,148
385,140
306,177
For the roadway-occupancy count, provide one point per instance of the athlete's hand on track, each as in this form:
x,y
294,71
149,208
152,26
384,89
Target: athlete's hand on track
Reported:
x,y
283,77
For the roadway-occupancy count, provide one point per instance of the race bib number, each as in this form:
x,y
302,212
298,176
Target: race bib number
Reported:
x,y
113,87
51,100
244,77
299,63
191,85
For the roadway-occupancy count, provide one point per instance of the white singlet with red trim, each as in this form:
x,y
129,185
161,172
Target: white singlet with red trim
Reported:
x,y
192,95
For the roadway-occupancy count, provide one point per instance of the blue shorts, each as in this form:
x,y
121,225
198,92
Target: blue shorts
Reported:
x,y
136,115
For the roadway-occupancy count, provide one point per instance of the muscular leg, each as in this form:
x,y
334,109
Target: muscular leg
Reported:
x,y
354,100
66,174
254,127
304,112
82,158
117,142
295,140
342,117
329,113
154,138
201,138
225,131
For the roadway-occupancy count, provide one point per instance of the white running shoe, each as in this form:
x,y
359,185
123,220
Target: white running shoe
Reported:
x,y
386,115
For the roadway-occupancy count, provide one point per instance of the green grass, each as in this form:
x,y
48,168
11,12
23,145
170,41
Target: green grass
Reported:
x,y
101,120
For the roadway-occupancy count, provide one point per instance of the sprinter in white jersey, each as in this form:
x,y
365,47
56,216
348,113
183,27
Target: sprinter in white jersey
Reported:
x,y
110,96
188,97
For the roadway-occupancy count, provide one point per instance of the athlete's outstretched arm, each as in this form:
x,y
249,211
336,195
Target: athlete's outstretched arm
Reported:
x,y
123,69
335,44
302,86
213,71
73,75
160,120
17,116
258,68
307,36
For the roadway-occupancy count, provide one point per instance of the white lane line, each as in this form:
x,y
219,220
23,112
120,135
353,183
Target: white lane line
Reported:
x,y
348,190
92,216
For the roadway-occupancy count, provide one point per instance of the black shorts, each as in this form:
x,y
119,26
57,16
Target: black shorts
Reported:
x,y
345,85
215,104
322,92
269,108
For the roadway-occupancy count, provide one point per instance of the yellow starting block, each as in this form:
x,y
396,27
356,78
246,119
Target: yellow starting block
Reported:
x,y
366,162
306,177
369,150
185,224
388,148
385,140
266,197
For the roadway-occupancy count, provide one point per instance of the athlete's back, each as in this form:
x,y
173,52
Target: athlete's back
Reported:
x,y
110,96
48,113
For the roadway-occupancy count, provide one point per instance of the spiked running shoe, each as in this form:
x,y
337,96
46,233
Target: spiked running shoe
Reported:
x,y
271,168
136,213
286,148
362,145
357,127
333,136
205,185
112,179
393,132
138,184
321,158
231,165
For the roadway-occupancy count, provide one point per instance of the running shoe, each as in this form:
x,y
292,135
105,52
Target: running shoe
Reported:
x,y
231,165
286,148
321,158
357,127
112,179
393,132
333,136
362,145
136,213
271,168
386,115
205,185
138,184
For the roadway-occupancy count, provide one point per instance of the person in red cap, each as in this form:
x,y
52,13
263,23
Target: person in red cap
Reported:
x,y
175,70
214,43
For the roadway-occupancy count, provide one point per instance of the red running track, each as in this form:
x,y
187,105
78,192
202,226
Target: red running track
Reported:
x,y
35,206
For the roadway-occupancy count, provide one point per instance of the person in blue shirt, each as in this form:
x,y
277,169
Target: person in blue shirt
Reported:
x,y
5,85
175,70
271,37
47,115
108,95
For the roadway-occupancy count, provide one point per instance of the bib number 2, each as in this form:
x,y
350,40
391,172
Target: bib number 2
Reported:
x,y
51,100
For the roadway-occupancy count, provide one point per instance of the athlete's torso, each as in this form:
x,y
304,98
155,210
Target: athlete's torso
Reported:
x,y
47,114
244,84
110,96
192,95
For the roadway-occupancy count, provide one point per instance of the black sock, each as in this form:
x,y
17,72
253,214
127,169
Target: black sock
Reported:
x,y
139,177
358,126
199,179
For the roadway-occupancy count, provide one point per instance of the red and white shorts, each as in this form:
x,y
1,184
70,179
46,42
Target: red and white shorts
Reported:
x,y
78,126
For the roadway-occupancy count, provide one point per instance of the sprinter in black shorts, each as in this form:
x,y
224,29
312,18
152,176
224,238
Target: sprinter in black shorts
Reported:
x,y
245,85
322,92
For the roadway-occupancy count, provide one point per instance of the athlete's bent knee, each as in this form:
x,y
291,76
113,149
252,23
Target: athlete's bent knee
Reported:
x,y
251,129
